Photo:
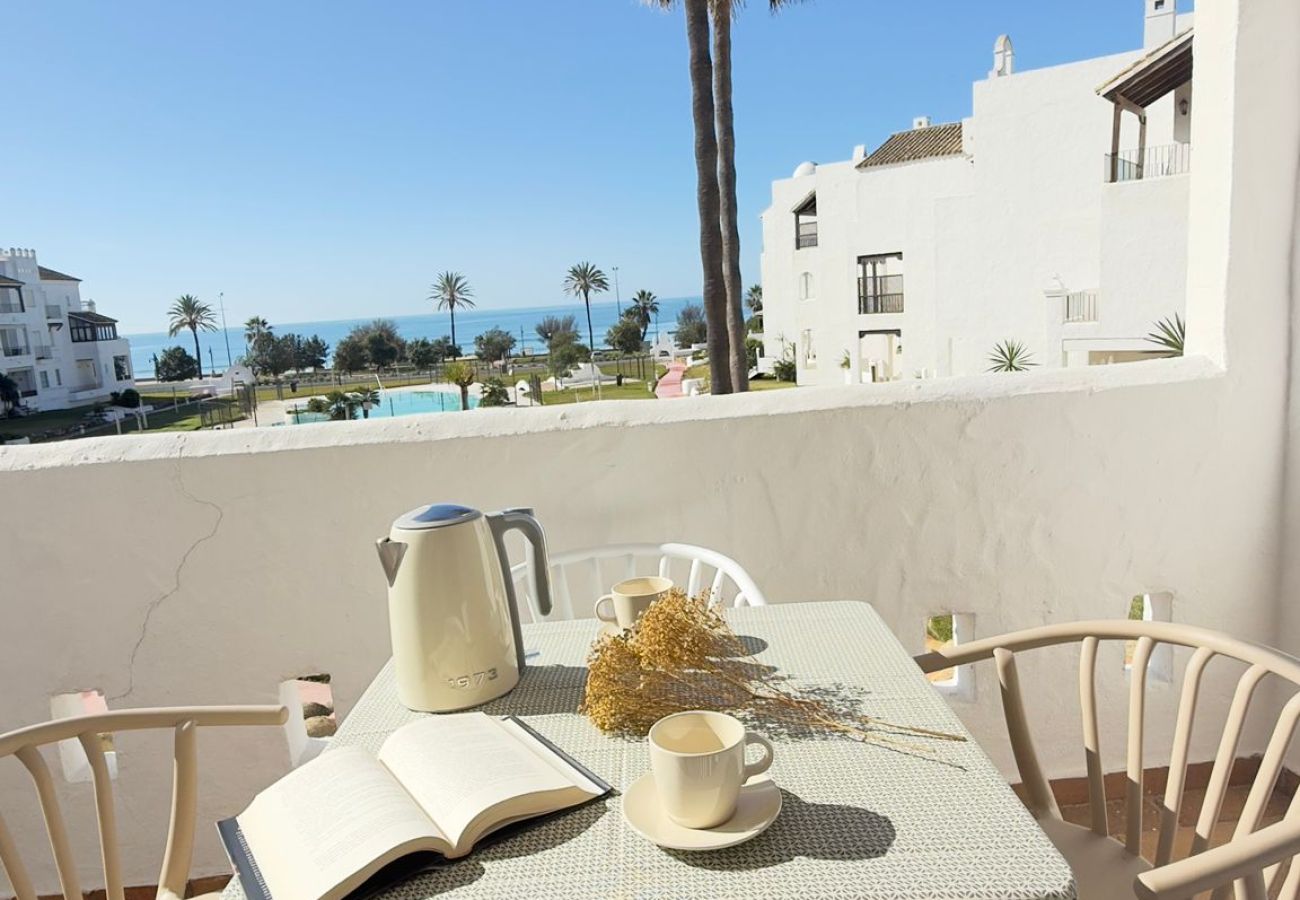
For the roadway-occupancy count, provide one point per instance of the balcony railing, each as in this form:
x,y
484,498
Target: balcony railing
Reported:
x,y
1081,306
880,294
807,235
16,351
1153,162
43,351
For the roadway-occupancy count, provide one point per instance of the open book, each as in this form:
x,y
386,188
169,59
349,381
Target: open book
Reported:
x,y
438,785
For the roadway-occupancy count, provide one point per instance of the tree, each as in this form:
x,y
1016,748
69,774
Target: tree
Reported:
x,y
460,374
311,354
10,395
644,307
494,393
446,348
553,325
692,327
625,334
271,355
367,398
493,345
1170,334
452,292
422,354
583,280
1010,356
254,328
187,311
381,349
565,353
341,405
754,300
175,364
349,355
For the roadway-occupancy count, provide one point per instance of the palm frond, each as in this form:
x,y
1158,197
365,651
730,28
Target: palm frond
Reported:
x,y
1170,334
1010,356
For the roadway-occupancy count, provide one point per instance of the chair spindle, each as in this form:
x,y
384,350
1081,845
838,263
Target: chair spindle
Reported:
x,y
110,857
1092,735
1136,722
1223,759
180,830
32,759
19,880
1173,802
1041,801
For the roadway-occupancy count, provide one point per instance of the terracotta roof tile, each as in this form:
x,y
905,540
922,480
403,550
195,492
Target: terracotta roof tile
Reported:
x,y
917,143
52,275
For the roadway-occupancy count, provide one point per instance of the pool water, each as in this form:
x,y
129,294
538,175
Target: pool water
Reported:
x,y
394,403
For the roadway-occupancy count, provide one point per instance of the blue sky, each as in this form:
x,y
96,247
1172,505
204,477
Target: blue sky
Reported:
x,y
324,160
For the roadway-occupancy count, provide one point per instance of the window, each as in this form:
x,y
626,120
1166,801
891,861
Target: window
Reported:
x,y
58,377
880,284
806,286
45,379
805,224
808,348
122,368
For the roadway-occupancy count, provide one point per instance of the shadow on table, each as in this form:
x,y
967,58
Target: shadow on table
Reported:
x,y
543,690
832,831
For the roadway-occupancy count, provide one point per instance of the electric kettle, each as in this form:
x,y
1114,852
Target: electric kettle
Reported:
x,y
452,608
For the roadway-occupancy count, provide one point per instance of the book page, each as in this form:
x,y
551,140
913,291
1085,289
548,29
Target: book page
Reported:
x,y
459,766
322,824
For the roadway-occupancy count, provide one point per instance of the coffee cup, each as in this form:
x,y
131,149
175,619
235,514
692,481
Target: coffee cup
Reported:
x,y
623,605
698,761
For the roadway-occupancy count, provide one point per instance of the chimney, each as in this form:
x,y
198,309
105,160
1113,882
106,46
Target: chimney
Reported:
x,y
1004,57
920,122
859,153
90,305
1161,22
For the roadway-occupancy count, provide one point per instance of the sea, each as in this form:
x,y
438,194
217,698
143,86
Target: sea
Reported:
x,y
519,321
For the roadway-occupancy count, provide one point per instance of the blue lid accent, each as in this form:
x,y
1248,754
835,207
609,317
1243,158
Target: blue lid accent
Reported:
x,y
436,515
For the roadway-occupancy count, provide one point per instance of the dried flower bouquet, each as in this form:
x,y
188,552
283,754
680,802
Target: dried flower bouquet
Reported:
x,y
682,655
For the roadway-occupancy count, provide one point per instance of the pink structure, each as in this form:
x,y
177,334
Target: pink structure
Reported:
x,y
671,384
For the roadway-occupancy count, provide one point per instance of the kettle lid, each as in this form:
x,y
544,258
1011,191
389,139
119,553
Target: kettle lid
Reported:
x,y
436,515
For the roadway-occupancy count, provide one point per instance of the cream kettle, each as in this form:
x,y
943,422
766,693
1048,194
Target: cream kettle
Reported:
x,y
452,608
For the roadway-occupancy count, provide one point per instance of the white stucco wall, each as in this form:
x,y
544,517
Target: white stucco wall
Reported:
x,y
206,568
984,235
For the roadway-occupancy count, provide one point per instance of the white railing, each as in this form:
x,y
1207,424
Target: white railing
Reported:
x,y
1081,306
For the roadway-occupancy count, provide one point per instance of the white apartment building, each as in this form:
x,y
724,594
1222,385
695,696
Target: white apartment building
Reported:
x,y
1055,215
60,350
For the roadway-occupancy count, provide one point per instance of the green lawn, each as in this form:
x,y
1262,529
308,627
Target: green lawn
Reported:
x,y
184,418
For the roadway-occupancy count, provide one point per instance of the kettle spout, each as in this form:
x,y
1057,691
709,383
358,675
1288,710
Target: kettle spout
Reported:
x,y
390,557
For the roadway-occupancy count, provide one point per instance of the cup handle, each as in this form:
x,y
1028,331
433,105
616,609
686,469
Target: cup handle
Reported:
x,y
612,616
758,768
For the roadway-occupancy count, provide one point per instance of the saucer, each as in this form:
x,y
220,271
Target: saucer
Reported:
x,y
758,807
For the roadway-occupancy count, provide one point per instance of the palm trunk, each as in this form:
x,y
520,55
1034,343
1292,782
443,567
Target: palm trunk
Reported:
x,y
730,230
451,309
707,199
198,353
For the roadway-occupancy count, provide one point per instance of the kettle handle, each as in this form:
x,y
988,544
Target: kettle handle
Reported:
x,y
522,519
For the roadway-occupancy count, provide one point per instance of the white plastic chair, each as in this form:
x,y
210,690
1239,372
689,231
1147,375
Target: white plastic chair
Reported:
x,y
580,577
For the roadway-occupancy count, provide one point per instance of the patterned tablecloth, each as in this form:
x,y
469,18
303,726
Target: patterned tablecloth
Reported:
x,y
857,820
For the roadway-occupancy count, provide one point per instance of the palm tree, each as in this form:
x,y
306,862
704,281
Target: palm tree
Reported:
x,y
1010,356
754,298
583,280
462,375
645,306
451,292
1170,334
190,312
366,397
254,328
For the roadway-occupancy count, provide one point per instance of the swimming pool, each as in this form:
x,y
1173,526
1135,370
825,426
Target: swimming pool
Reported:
x,y
391,403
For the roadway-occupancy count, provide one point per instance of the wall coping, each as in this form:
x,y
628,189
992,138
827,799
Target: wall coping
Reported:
x,y
974,389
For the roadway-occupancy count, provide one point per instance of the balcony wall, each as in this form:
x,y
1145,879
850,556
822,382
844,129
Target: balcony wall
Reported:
x,y
206,568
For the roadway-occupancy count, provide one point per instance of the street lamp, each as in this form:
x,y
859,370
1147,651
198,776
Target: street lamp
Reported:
x,y
221,299
618,298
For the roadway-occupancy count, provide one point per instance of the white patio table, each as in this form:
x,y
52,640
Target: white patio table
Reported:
x,y
858,821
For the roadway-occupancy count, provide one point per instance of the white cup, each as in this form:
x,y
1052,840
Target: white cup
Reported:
x,y
698,760
628,599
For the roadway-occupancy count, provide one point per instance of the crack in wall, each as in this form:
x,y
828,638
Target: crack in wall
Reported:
x,y
179,480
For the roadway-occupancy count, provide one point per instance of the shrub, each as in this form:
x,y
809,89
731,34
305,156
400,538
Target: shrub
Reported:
x,y
784,370
129,398
494,393
175,364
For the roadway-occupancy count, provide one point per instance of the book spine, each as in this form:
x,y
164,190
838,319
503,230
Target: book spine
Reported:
x,y
250,875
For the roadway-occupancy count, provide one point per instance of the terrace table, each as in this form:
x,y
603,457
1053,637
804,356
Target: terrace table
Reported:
x,y
857,820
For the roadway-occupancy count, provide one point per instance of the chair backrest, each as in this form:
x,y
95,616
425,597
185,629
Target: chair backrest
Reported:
x,y
26,743
1254,859
580,577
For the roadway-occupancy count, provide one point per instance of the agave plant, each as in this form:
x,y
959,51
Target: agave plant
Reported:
x,y
1010,356
1169,334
